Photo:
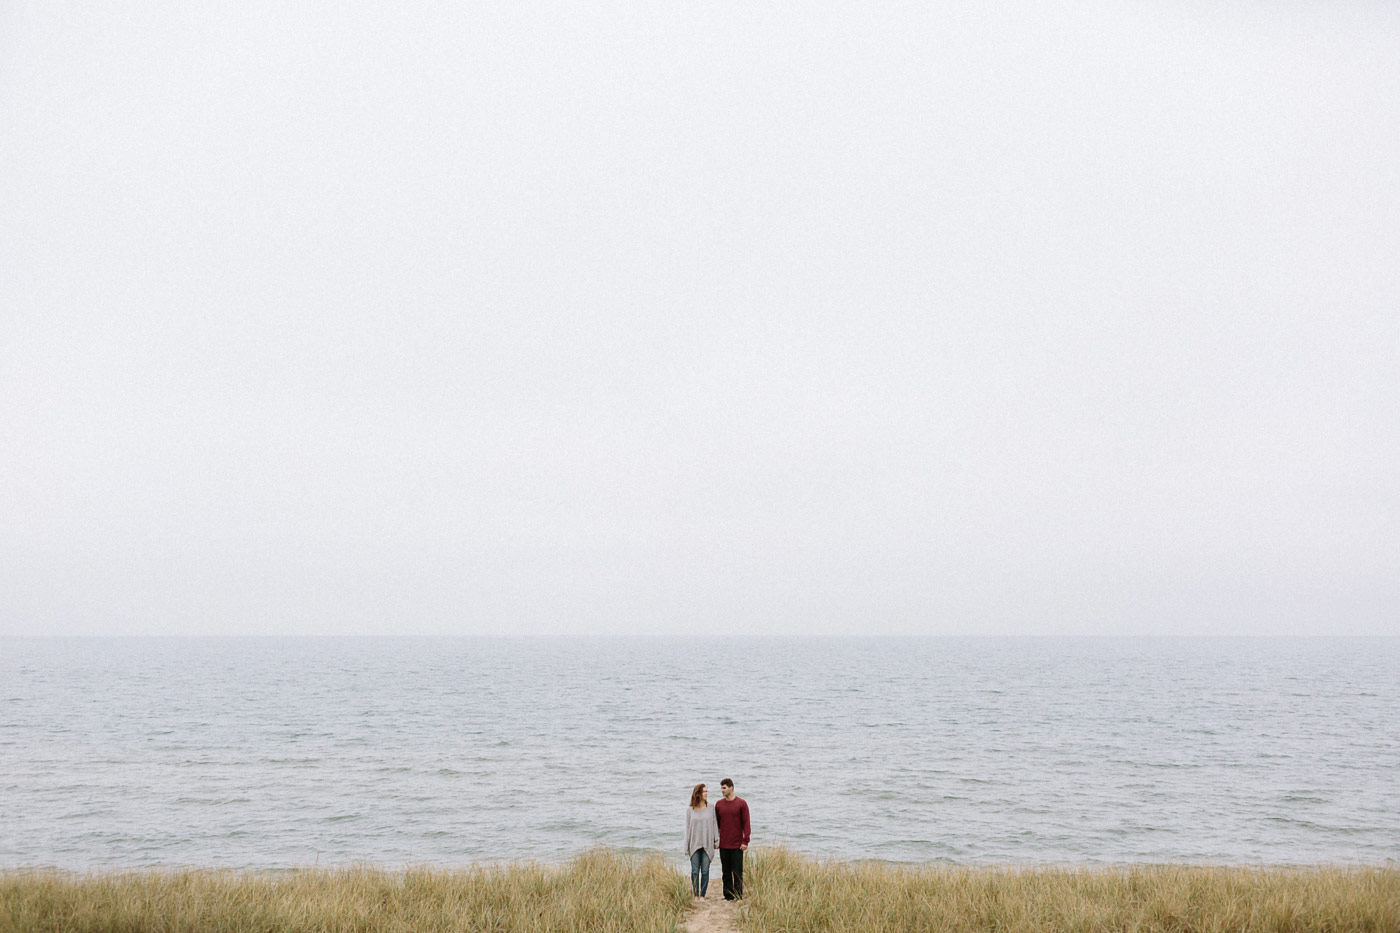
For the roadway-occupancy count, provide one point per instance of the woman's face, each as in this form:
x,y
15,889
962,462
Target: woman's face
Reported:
x,y
704,795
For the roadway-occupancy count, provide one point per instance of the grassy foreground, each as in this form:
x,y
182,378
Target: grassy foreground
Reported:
x,y
598,890
786,893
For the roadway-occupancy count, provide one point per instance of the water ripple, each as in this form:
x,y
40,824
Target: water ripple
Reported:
x,y
272,753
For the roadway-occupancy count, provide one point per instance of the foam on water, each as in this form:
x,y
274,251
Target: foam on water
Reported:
x,y
267,752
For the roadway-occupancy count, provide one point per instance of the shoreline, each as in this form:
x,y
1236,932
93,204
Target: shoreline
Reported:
x,y
563,862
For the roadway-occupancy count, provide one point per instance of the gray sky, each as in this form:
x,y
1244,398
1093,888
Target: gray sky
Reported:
x,y
651,317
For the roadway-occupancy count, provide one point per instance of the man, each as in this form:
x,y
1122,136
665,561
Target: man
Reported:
x,y
732,814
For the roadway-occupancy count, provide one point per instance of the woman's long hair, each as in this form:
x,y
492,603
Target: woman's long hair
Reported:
x,y
695,796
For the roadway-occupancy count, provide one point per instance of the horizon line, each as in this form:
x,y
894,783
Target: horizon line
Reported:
x,y
779,636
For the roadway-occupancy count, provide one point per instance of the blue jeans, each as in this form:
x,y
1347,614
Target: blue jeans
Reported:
x,y
700,871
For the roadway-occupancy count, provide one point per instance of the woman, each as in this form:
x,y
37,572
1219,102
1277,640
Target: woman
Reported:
x,y
701,837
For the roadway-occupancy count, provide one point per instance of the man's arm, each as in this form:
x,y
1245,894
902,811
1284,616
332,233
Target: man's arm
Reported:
x,y
745,816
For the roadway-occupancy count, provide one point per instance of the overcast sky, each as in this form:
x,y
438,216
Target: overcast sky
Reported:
x,y
634,316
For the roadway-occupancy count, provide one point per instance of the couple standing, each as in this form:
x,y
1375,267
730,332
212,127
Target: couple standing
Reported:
x,y
724,826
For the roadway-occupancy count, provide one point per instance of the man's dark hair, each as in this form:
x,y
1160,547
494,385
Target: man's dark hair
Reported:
x,y
726,783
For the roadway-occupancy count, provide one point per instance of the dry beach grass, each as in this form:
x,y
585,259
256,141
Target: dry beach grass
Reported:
x,y
786,893
598,890
791,894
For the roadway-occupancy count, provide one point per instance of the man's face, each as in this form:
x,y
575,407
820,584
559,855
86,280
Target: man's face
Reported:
x,y
727,790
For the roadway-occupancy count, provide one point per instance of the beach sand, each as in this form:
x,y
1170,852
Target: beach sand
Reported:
x,y
712,914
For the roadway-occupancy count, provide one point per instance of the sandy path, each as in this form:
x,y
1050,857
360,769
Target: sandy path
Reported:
x,y
712,914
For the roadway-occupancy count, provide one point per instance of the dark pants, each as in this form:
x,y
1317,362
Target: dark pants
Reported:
x,y
731,863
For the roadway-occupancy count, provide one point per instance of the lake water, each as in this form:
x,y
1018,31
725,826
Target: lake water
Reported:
x,y
268,752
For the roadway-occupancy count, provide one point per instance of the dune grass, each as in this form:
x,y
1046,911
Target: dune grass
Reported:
x,y
598,890
786,893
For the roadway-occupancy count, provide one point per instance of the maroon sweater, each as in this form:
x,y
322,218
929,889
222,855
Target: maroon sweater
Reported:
x,y
733,817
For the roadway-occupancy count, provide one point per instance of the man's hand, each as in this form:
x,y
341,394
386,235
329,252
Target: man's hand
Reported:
x,y
743,848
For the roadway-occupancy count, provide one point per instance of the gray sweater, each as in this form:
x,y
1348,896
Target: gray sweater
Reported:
x,y
701,830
